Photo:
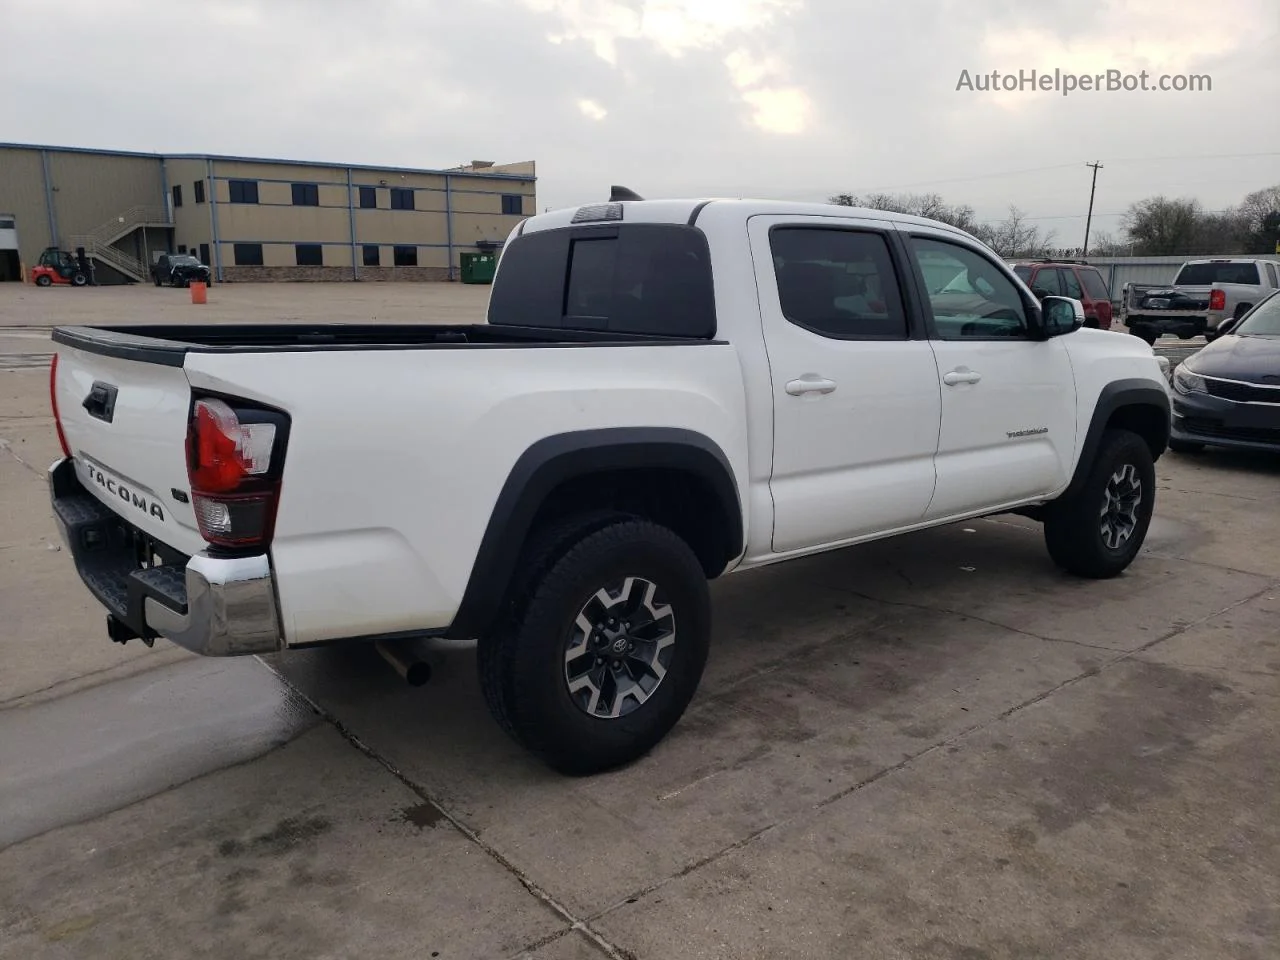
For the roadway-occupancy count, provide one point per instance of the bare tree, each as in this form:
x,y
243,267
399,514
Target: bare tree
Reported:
x,y
1016,236
929,205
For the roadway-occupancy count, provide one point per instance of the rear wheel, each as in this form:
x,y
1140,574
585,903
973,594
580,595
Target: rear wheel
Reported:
x,y
44,280
603,647
1099,529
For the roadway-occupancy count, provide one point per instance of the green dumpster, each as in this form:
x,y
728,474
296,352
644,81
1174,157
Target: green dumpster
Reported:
x,y
478,267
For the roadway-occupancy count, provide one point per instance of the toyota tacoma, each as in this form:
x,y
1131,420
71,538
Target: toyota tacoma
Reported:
x,y
663,392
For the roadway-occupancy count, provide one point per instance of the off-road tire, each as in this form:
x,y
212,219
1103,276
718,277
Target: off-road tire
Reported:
x,y
1073,526
522,661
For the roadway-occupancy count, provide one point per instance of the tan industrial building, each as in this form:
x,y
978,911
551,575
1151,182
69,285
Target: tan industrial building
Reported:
x,y
251,218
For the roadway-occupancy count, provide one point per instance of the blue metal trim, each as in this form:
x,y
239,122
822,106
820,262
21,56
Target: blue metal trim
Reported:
x,y
336,243
48,199
448,222
379,186
213,219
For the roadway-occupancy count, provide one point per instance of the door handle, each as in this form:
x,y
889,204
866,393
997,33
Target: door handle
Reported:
x,y
810,384
961,375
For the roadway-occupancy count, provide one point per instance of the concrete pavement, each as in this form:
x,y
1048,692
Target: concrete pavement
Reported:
x,y
932,747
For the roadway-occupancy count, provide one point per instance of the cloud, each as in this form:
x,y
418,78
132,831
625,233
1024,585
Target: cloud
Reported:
x,y
794,99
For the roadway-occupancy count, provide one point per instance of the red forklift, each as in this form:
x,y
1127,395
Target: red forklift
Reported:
x,y
63,268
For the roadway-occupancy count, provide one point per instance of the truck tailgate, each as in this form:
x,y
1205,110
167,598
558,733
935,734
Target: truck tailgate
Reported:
x,y
125,422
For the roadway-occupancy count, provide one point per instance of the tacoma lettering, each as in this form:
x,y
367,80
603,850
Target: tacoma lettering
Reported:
x,y
149,507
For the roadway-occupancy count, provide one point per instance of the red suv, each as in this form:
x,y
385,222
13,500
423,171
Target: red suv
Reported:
x,y
1070,278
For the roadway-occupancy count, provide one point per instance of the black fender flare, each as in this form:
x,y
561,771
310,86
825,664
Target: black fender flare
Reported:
x,y
556,459
1118,394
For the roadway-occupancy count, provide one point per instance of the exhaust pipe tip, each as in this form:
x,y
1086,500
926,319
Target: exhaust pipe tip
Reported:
x,y
417,673
404,658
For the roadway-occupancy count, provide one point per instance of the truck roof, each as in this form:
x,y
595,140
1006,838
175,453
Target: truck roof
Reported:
x,y
692,210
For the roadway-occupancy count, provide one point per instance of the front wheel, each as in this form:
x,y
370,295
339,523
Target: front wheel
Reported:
x,y
1099,529
604,648
79,279
44,280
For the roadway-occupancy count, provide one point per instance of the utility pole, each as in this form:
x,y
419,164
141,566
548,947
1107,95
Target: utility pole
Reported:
x,y
1084,251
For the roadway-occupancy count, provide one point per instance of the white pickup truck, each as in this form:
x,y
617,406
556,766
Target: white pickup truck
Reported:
x,y
664,392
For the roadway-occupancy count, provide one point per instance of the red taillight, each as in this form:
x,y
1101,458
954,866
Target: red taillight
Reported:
x,y
1217,299
53,402
232,463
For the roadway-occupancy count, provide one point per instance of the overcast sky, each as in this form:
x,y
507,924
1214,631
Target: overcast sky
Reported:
x,y
794,99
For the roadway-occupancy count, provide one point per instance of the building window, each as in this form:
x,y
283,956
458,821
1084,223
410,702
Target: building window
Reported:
x,y
199,191
368,198
406,256
513,204
204,254
306,195
177,194
373,255
243,191
248,254
309,254
401,198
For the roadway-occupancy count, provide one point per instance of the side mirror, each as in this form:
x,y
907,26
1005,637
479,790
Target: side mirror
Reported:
x,y
1226,326
1061,315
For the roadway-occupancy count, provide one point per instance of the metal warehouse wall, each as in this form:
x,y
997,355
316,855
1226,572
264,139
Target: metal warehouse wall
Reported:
x,y
58,193
451,212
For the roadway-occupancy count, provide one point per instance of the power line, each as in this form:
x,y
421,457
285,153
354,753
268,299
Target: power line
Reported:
x,y
1066,166
981,176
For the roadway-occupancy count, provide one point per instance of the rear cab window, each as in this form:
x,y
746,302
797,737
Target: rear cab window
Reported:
x,y
1205,274
631,279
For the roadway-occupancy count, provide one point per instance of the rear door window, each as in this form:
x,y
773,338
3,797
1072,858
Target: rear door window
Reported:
x,y
1094,283
838,283
1070,285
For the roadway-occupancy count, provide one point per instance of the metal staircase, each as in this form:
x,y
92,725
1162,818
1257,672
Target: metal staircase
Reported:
x,y
98,242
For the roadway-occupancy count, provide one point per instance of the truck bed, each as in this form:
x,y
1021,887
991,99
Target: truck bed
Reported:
x,y
169,344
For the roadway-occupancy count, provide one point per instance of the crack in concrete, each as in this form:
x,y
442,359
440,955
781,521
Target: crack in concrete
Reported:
x,y
7,447
535,890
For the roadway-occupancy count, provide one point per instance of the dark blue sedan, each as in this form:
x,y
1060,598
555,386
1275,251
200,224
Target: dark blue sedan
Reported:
x,y
1228,394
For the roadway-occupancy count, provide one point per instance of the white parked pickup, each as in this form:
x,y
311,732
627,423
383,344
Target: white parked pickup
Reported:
x,y
664,392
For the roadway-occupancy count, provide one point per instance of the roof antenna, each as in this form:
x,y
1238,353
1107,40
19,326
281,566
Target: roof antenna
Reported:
x,y
617,194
